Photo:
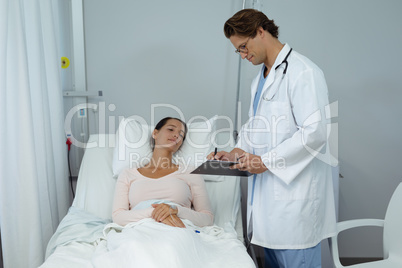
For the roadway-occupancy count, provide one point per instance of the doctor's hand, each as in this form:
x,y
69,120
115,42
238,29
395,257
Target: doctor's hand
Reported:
x,y
225,156
251,163
221,155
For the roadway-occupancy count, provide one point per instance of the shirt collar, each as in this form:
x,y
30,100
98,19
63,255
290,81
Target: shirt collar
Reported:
x,y
281,56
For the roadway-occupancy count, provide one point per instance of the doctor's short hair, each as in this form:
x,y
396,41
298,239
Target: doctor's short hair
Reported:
x,y
246,23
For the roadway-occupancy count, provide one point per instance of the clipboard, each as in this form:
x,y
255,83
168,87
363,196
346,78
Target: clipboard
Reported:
x,y
218,167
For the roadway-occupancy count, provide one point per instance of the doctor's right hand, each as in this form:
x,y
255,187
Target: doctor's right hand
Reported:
x,y
233,156
221,155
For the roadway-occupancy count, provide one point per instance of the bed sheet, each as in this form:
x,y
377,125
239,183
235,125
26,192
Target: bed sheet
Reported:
x,y
85,240
152,244
77,226
73,254
75,240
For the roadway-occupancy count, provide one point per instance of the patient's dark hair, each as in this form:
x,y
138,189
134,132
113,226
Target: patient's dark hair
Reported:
x,y
162,123
246,23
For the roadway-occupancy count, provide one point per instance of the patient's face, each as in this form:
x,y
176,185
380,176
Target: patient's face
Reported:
x,y
170,135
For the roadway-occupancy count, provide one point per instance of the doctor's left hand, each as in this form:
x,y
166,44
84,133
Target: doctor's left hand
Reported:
x,y
251,163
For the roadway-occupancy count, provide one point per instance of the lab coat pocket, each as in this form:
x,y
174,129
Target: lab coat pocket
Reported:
x,y
299,189
277,114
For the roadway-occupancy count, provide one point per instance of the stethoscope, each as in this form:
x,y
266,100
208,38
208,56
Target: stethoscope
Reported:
x,y
285,61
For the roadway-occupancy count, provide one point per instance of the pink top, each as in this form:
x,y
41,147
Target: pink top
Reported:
x,y
185,190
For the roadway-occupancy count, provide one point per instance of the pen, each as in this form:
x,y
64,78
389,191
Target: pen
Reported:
x,y
216,150
240,157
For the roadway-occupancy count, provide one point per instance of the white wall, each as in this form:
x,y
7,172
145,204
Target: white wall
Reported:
x,y
142,53
146,52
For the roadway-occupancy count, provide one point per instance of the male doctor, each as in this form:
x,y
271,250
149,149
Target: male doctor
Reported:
x,y
290,206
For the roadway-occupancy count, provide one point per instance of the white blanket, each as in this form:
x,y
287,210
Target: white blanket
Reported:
x,y
151,244
84,240
77,226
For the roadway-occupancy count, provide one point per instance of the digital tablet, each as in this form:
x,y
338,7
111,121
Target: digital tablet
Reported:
x,y
217,167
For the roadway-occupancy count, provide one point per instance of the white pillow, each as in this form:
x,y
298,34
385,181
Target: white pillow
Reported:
x,y
95,184
200,141
132,144
133,147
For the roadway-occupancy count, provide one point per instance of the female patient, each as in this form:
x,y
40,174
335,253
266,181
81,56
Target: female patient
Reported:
x,y
161,189
161,194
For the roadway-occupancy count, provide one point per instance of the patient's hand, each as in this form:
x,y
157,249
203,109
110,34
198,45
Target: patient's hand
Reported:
x,y
167,215
162,211
174,221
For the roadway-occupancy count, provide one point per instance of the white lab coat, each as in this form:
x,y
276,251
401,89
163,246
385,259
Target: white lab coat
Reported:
x,y
293,202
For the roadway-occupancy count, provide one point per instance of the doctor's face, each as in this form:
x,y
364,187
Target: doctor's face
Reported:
x,y
248,48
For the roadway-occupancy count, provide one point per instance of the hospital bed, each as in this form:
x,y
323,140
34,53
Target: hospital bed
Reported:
x,y
81,235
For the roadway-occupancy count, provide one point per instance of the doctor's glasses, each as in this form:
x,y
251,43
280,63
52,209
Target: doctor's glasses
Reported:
x,y
243,48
